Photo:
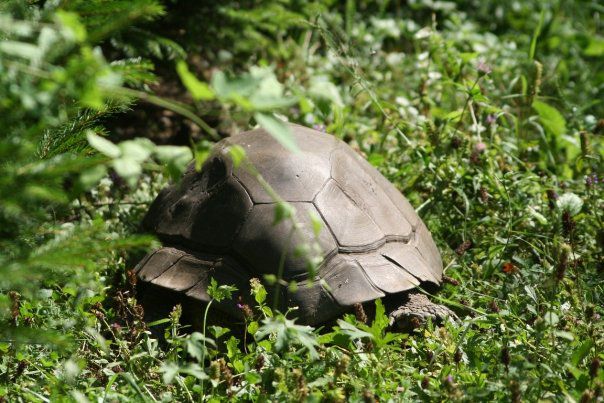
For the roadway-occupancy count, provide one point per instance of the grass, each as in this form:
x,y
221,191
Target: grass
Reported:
x,y
487,116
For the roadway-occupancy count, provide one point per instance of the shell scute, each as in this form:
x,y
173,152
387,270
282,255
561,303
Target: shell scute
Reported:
x,y
356,179
261,242
351,226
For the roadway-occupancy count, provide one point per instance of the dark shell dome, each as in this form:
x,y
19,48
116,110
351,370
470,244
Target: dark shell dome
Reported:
x,y
219,223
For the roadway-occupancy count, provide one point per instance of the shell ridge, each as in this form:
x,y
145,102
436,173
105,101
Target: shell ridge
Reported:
x,y
168,279
394,262
385,275
144,261
350,224
164,270
333,235
345,283
247,213
356,203
369,280
210,269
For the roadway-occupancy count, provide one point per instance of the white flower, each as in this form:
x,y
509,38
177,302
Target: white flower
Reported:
x,y
423,33
570,202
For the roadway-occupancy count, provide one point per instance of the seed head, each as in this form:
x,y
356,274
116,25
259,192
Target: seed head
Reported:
x,y
368,396
484,195
259,364
450,280
359,313
568,224
456,142
245,308
255,282
175,314
583,137
132,279
457,356
465,245
599,127
300,380
226,373
15,304
505,357
538,77
279,374
97,310
561,268
515,391
587,396
594,367
342,365
215,370
552,197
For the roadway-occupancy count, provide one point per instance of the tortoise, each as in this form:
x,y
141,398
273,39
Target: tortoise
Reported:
x,y
219,223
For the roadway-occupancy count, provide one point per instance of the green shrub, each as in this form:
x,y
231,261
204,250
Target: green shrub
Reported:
x,y
487,115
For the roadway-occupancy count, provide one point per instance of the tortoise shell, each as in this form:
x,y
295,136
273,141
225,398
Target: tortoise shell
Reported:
x,y
220,222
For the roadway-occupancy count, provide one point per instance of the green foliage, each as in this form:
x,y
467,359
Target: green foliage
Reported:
x,y
550,118
50,77
55,87
486,114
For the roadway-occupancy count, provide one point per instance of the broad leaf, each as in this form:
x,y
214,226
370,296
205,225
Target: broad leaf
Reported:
x,y
551,118
199,90
103,145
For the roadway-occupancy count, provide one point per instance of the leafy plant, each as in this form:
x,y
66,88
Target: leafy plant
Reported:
x,y
487,115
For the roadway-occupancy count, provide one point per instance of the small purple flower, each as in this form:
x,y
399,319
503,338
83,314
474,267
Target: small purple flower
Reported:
x,y
480,147
483,67
320,128
591,180
240,306
491,119
450,383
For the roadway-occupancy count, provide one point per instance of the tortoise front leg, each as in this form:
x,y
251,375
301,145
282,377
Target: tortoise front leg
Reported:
x,y
416,310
